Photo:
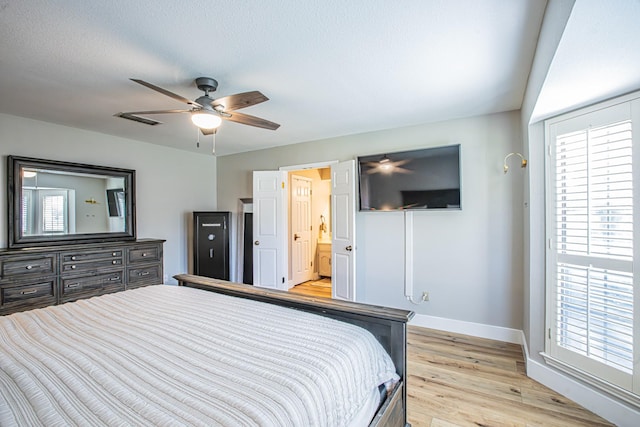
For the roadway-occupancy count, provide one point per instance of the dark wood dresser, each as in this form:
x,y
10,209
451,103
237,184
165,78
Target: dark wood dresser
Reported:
x,y
42,276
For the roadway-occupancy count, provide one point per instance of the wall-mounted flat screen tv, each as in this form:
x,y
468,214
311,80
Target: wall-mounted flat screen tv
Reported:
x,y
418,179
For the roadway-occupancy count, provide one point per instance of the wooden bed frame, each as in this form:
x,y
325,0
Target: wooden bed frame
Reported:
x,y
388,325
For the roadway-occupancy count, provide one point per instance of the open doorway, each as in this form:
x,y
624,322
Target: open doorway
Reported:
x,y
271,236
309,228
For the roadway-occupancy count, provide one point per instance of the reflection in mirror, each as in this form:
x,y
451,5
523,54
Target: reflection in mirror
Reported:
x,y
62,202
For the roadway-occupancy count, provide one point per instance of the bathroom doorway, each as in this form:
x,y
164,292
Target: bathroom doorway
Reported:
x,y
310,231
271,231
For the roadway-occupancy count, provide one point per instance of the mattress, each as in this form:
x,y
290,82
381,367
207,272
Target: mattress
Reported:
x,y
167,355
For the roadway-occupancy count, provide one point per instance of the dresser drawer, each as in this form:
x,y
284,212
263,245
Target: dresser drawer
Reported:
x,y
74,262
84,286
32,265
144,275
147,253
31,294
76,267
70,257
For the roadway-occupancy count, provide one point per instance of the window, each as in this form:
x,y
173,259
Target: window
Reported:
x,y
46,211
592,291
53,217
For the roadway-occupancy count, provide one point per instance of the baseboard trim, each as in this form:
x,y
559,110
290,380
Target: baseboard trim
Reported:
x,y
479,330
597,402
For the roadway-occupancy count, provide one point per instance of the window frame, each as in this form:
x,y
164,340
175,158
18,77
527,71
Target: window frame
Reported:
x,y
626,387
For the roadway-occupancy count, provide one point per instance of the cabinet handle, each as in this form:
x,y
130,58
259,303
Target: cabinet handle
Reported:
x,y
113,279
114,262
73,285
29,292
144,273
73,258
144,254
114,254
73,267
29,267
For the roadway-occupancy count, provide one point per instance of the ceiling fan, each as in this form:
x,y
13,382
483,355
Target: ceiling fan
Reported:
x,y
207,113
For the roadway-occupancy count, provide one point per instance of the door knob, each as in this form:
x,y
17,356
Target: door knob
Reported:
x,y
296,236
257,242
349,248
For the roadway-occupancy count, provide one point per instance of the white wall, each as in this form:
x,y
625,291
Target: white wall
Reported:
x,y
470,260
170,183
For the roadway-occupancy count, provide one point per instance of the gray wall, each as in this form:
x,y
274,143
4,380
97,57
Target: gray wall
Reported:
x,y
170,183
470,261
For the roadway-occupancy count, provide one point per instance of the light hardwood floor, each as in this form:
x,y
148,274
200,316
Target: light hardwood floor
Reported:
x,y
458,381
314,288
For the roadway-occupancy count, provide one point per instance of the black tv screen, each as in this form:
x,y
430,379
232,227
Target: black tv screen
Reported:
x,y
428,178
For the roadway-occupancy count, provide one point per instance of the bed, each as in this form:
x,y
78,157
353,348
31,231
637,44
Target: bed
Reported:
x,y
208,353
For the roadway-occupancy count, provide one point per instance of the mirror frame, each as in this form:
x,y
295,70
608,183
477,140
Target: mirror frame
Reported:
x,y
14,198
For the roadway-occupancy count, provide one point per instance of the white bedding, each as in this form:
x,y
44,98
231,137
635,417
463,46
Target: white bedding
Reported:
x,y
168,355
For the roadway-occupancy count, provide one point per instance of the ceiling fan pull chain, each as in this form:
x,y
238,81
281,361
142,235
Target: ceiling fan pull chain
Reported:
x,y
197,138
213,144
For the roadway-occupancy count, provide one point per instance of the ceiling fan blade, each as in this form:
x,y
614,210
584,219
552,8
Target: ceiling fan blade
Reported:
x,y
246,119
155,112
239,100
208,131
166,92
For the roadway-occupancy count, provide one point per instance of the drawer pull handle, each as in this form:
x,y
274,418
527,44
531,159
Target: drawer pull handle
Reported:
x,y
73,285
114,262
113,279
29,267
144,273
29,292
144,254
114,254
73,267
73,258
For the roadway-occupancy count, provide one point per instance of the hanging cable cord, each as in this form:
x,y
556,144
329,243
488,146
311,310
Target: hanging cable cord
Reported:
x,y
213,143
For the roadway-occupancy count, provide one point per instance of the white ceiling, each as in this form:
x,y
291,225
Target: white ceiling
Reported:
x,y
329,67
597,58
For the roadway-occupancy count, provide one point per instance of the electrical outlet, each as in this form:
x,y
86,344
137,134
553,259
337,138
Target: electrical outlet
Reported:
x,y
425,296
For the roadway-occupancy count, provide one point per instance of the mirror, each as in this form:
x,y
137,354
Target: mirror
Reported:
x,y
53,202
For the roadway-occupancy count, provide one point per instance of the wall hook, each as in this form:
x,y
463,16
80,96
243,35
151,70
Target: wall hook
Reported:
x,y
523,163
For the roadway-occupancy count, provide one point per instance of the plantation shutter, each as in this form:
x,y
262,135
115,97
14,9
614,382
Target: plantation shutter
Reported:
x,y
591,250
53,212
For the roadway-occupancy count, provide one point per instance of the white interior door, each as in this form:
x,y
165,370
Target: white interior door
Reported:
x,y
301,250
269,229
343,265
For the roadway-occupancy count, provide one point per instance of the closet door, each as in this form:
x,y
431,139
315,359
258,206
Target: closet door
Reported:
x,y
211,244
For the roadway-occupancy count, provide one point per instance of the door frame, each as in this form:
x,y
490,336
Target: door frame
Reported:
x,y
293,168
245,205
315,165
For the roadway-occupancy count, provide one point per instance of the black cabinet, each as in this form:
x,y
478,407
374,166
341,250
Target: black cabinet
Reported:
x,y
211,244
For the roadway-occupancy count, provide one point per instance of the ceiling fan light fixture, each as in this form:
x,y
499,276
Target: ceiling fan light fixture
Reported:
x,y
205,119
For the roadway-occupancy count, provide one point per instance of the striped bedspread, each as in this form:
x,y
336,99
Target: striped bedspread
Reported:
x,y
170,356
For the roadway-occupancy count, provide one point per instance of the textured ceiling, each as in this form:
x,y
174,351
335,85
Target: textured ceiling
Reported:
x,y
329,67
